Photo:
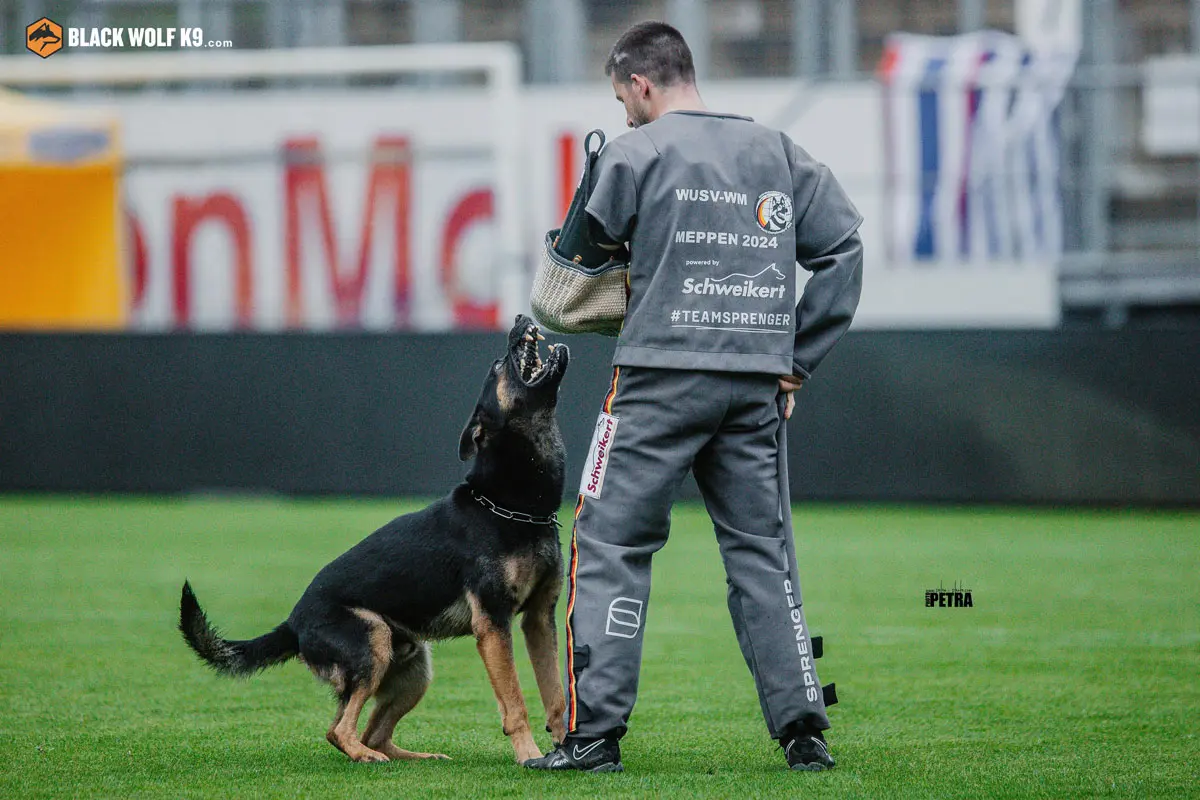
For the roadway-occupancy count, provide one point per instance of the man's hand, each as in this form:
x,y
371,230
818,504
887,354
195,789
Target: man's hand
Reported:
x,y
788,384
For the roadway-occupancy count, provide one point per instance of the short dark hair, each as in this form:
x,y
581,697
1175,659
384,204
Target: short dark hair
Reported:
x,y
652,49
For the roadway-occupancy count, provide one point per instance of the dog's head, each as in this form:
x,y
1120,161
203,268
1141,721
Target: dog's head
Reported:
x,y
519,393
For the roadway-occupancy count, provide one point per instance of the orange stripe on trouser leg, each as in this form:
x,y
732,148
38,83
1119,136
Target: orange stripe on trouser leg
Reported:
x,y
571,706
612,391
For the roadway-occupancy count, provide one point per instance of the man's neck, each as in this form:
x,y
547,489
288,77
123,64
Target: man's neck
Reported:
x,y
680,98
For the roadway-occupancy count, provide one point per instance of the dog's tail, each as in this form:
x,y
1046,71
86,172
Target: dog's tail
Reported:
x,y
239,659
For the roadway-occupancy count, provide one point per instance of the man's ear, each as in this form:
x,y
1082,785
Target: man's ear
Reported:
x,y
472,435
640,85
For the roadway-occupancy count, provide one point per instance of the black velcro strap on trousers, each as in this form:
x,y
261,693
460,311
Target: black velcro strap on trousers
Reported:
x,y
818,646
583,654
829,691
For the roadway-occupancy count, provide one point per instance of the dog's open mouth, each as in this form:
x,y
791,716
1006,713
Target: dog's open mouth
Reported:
x,y
527,358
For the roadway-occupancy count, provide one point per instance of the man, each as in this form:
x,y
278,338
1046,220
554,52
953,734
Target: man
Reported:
x,y
716,211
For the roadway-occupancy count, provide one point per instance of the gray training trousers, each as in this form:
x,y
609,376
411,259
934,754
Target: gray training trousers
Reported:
x,y
656,424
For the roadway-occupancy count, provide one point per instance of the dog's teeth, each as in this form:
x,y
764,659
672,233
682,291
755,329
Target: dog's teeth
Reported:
x,y
541,338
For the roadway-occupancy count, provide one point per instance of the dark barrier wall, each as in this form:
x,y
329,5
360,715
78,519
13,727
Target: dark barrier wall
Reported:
x,y
954,416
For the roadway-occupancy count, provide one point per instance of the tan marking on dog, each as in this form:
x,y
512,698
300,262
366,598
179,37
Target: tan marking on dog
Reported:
x,y
454,620
380,637
495,648
504,392
329,673
398,754
520,576
335,676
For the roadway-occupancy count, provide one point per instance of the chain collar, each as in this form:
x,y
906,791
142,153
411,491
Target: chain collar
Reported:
x,y
515,516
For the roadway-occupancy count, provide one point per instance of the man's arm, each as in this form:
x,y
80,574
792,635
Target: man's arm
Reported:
x,y
828,303
612,201
828,246
825,310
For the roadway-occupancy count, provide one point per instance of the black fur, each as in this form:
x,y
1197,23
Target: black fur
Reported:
x,y
236,658
416,571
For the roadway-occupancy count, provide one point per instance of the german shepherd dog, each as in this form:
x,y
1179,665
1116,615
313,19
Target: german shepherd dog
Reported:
x,y
467,564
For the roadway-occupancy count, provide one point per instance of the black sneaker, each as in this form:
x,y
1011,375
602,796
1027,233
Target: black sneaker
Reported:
x,y
585,755
807,751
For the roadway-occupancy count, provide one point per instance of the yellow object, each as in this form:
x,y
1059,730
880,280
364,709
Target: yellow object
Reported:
x,y
60,221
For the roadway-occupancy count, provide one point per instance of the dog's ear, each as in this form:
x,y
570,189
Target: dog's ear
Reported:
x,y
472,435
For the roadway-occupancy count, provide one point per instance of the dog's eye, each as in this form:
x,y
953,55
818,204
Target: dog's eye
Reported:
x,y
499,363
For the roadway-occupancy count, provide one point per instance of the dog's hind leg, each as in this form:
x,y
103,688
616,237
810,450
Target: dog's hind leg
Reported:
x,y
402,688
359,687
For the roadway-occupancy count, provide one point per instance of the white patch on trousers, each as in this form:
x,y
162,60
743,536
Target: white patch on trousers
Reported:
x,y
624,617
597,461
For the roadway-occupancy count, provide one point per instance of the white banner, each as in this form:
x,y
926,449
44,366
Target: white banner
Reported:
x,y
373,208
1171,106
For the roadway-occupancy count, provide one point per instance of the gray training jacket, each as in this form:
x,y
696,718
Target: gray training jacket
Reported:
x,y
717,210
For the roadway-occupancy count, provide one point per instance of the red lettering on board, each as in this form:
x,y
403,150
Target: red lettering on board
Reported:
x,y
188,215
475,207
139,266
568,172
390,178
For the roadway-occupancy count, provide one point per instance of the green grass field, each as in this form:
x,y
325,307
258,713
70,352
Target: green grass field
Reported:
x,y
1077,673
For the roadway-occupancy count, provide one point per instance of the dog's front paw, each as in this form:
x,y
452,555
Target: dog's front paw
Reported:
x,y
527,753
